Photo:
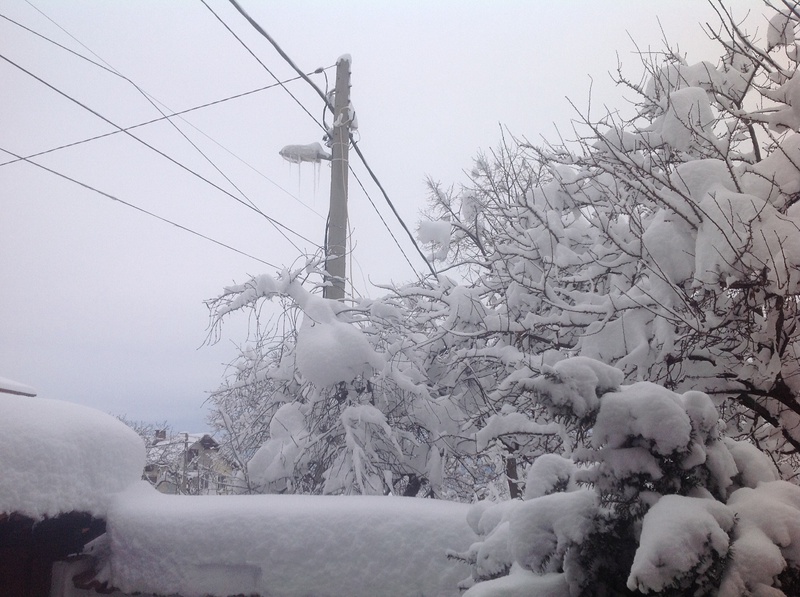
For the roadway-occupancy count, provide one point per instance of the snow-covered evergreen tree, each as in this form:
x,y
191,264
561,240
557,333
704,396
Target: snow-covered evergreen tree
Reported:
x,y
658,501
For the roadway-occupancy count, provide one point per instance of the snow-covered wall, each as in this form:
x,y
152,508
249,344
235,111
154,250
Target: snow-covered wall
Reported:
x,y
60,457
284,545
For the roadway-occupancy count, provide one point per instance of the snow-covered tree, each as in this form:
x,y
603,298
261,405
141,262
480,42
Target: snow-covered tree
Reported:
x,y
613,335
666,243
343,399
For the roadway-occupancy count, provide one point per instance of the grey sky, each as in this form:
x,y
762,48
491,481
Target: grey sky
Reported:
x,y
103,305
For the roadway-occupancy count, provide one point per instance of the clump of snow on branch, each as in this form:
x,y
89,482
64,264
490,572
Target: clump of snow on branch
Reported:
x,y
329,351
681,536
436,234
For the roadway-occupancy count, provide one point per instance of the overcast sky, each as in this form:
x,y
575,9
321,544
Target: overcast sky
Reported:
x,y
103,305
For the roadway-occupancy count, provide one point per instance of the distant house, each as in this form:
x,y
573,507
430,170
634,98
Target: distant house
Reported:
x,y
187,463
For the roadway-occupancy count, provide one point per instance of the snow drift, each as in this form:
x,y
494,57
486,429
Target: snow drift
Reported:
x,y
61,457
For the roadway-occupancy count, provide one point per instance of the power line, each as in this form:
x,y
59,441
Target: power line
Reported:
x,y
180,132
41,12
391,205
147,122
246,47
380,215
280,51
324,97
113,71
275,222
257,171
136,207
152,121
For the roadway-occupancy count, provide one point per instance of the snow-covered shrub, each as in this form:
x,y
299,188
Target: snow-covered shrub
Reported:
x,y
659,501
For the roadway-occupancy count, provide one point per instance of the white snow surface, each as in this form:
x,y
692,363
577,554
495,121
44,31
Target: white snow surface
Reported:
x,y
549,473
522,583
284,545
643,410
742,234
333,351
60,457
543,528
434,231
688,114
577,384
510,424
765,538
678,534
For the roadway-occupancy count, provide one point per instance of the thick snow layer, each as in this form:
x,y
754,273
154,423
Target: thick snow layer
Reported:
x,y
522,583
765,538
742,235
643,410
543,528
678,535
547,474
58,457
332,351
780,31
577,384
275,459
434,231
688,115
284,545
752,464
510,424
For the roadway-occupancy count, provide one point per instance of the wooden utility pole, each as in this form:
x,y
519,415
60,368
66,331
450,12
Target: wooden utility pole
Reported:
x,y
335,262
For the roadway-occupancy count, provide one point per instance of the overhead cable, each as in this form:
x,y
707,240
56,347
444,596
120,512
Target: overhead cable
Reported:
x,y
136,207
391,205
246,47
325,99
280,51
380,215
150,100
108,68
275,222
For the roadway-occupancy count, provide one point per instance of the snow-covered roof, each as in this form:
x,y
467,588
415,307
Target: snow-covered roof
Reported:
x,y
9,386
283,545
61,457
